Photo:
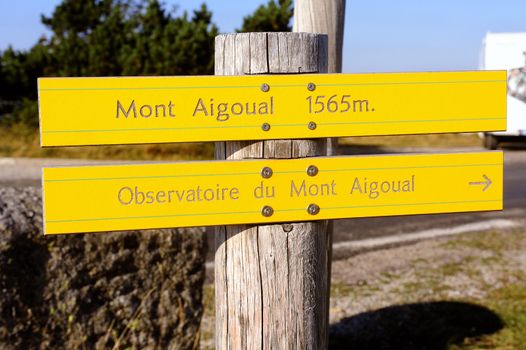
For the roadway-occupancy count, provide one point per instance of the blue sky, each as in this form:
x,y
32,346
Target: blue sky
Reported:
x,y
380,35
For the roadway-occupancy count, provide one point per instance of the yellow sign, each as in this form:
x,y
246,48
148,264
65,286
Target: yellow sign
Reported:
x,y
92,111
107,198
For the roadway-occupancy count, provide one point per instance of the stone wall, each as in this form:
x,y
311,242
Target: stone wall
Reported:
x,y
139,290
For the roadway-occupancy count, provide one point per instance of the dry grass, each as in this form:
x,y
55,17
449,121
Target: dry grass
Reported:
x,y
430,140
19,141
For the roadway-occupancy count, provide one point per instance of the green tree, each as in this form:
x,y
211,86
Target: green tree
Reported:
x,y
272,17
190,43
111,37
119,37
107,38
88,35
12,76
169,45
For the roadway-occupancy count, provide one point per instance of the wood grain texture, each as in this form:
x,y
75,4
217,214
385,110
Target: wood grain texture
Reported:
x,y
326,17
271,281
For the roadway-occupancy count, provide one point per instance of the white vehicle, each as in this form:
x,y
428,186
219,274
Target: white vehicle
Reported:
x,y
508,51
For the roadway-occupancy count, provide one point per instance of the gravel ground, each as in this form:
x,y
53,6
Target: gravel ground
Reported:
x,y
380,278
434,288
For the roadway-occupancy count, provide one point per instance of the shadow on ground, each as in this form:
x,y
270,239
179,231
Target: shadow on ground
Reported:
x,y
421,326
515,146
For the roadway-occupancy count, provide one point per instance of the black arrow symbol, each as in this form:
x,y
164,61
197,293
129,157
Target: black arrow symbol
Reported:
x,y
487,183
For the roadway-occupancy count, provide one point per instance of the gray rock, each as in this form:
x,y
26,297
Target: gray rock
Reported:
x,y
139,290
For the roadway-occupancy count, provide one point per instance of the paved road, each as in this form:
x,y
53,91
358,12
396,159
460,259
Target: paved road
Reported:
x,y
514,204
27,172
514,208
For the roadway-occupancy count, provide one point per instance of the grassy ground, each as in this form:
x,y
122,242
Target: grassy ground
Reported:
x,y
461,293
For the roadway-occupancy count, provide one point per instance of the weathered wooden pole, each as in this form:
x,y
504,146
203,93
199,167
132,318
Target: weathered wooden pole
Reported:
x,y
326,17
271,281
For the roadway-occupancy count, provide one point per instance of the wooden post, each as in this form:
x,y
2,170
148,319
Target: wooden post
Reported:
x,y
271,281
326,17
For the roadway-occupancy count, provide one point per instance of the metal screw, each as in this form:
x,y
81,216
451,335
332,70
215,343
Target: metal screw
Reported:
x,y
265,126
313,209
267,211
312,125
287,227
312,170
311,86
266,172
265,87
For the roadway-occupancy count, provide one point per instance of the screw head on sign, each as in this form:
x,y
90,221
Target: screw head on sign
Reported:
x,y
267,211
312,170
266,172
311,86
265,87
287,227
265,126
313,209
312,126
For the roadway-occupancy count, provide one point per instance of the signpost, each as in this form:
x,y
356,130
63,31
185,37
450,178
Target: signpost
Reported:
x,y
129,197
271,279
95,111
